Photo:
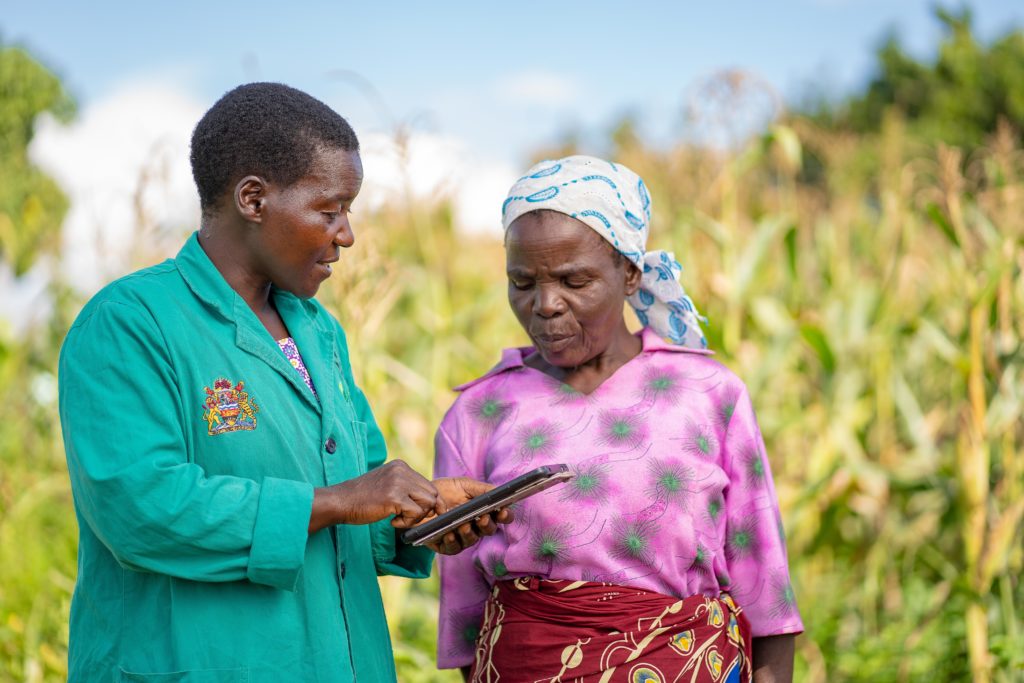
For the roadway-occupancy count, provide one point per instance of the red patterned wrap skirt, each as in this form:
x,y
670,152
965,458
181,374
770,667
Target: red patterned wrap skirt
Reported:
x,y
584,632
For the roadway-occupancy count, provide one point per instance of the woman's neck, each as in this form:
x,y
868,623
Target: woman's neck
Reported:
x,y
589,375
224,252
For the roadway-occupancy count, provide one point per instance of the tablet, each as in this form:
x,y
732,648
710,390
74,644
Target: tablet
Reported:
x,y
521,487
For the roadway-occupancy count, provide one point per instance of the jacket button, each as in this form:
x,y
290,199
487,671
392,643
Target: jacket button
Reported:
x,y
331,445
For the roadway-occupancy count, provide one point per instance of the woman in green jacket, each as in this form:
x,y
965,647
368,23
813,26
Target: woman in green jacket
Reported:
x,y
233,502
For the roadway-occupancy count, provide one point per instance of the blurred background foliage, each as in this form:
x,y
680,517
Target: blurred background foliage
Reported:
x,y
958,98
31,204
860,263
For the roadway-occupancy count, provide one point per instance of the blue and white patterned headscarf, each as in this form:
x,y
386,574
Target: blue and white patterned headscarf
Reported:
x,y
613,201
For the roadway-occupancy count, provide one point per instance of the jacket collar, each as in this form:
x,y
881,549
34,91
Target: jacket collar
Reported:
x,y
512,359
204,279
313,337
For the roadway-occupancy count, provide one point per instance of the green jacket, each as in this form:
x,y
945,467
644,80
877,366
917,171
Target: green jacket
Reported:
x,y
193,447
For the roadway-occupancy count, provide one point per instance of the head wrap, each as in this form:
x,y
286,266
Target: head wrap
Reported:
x,y
613,201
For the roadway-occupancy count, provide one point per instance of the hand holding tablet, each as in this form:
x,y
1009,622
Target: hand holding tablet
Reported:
x,y
535,481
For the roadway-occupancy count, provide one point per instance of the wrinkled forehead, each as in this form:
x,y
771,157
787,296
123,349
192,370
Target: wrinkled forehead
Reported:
x,y
554,236
541,225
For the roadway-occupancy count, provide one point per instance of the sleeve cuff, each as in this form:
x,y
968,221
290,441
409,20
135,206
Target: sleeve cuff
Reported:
x,y
282,529
395,558
786,629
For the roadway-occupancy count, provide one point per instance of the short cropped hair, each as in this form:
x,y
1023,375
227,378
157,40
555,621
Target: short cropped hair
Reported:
x,y
265,129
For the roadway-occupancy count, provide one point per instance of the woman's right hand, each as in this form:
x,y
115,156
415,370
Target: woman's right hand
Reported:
x,y
394,488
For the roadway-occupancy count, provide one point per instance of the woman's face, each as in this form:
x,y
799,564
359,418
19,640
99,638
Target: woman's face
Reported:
x,y
305,224
566,286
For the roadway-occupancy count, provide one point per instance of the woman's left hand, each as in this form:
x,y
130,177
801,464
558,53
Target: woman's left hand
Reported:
x,y
456,491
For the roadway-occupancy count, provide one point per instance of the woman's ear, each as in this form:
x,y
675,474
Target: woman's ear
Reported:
x,y
633,277
250,192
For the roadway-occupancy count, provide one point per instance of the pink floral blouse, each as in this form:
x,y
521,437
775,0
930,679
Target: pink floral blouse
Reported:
x,y
672,493
291,352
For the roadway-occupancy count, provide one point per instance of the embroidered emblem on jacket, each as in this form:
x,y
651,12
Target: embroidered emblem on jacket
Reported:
x,y
229,408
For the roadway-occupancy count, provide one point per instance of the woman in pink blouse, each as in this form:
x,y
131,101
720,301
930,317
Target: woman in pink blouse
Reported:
x,y
663,559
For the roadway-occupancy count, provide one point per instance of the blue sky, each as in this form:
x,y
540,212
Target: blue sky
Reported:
x,y
504,77
478,87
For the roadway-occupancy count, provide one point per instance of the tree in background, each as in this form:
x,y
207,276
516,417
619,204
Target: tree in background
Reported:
x,y
958,98
37,531
32,206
